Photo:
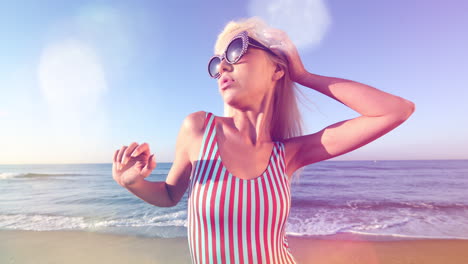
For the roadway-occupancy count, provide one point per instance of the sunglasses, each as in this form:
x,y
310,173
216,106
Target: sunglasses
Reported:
x,y
234,51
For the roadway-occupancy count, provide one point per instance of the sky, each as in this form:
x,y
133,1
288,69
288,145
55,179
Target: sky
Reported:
x,y
80,79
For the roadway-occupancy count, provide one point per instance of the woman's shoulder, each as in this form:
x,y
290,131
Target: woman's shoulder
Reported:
x,y
193,131
195,122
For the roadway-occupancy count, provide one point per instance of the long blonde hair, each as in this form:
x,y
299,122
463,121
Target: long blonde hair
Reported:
x,y
286,120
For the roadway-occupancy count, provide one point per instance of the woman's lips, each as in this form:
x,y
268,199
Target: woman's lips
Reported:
x,y
225,81
225,84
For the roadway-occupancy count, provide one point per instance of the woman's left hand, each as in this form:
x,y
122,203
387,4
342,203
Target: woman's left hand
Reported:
x,y
287,48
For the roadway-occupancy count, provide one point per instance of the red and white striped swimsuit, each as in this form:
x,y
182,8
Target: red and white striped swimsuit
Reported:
x,y
232,220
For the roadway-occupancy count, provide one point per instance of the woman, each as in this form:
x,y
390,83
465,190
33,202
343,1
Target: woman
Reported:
x,y
238,168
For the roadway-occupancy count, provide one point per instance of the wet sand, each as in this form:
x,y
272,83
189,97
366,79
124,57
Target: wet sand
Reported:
x,y
86,247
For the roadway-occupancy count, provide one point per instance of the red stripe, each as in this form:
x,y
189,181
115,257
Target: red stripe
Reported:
x,y
277,206
273,219
285,203
257,222
289,257
221,216
280,211
212,208
198,177
231,221
285,185
248,224
197,186
205,145
204,203
266,219
201,186
239,222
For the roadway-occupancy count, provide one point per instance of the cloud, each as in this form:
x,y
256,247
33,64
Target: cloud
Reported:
x,y
83,56
80,55
4,113
72,81
305,21
107,29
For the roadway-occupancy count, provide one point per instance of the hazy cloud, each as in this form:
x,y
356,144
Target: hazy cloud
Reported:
x,y
3,113
305,21
72,79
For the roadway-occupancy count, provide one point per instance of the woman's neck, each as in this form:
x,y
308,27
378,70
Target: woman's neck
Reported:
x,y
253,125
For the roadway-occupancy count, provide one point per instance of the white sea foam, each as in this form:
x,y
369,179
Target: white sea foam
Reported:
x,y
41,222
10,175
54,222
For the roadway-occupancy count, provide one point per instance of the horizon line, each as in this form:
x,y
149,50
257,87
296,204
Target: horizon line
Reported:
x,y
372,160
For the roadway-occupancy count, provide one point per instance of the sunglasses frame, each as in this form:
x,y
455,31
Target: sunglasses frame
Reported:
x,y
246,42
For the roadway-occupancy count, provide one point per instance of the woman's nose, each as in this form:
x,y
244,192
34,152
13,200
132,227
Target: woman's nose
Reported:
x,y
224,66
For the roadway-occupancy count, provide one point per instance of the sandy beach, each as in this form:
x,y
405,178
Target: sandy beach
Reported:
x,y
86,247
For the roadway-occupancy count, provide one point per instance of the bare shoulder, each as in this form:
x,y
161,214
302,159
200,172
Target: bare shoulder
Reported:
x,y
193,123
179,175
193,127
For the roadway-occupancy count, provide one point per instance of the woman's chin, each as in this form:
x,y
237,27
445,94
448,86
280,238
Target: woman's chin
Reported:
x,y
232,101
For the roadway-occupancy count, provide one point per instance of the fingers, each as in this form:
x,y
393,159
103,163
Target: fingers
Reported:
x,y
151,164
114,159
119,156
127,153
141,149
123,155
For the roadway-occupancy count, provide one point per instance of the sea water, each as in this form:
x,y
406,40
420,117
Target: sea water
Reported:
x,y
379,199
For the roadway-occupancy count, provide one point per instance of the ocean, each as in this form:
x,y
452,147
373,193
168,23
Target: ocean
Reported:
x,y
416,199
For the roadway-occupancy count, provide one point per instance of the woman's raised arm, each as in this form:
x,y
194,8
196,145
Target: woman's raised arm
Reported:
x,y
380,113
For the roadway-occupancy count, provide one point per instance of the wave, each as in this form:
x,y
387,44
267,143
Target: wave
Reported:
x,y
325,223
390,236
364,236
44,222
164,225
11,175
377,205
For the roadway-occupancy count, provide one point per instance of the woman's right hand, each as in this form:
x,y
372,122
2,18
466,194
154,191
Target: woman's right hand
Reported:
x,y
132,164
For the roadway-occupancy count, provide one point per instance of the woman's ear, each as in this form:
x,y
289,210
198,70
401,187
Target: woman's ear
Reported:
x,y
279,73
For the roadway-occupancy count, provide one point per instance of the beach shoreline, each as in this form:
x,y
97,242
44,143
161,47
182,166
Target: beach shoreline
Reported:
x,y
19,246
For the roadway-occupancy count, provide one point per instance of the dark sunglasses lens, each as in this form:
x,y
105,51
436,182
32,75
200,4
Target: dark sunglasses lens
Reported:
x,y
234,50
213,66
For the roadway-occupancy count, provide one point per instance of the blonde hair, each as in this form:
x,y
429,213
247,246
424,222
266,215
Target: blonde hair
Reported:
x,y
286,120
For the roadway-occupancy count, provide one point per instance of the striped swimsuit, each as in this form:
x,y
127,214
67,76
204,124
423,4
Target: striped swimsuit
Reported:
x,y
232,220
